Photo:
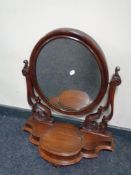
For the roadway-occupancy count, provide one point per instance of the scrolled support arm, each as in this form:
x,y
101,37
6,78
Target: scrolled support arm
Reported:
x,y
40,111
25,72
90,122
115,81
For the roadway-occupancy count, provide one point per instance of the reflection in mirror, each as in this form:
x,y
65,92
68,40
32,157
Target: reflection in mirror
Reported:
x,y
68,74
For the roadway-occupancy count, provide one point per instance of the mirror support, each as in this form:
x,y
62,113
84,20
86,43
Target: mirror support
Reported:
x,y
93,135
25,72
62,143
90,123
40,111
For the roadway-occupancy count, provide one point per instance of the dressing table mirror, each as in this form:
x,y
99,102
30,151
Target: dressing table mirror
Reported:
x,y
67,76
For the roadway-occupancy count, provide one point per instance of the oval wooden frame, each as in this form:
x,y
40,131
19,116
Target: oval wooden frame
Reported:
x,y
87,41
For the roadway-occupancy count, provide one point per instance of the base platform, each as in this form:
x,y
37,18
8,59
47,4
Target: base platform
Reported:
x,y
66,144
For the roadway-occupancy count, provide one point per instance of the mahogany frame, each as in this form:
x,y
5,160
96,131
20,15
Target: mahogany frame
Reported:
x,y
41,107
87,41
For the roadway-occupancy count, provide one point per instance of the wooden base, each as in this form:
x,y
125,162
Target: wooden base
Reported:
x,y
65,144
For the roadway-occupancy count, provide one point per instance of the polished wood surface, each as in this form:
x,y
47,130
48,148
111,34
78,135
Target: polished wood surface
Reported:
x,y
69,137
65,144
71,100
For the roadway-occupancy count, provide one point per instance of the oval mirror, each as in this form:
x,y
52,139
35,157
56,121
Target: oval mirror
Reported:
x,y
69,71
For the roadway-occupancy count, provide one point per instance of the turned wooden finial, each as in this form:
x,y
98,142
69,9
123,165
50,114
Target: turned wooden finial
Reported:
x,y
117,69
25,68
116,79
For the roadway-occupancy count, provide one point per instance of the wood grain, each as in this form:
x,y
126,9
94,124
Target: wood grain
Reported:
x,y
65,144
71,100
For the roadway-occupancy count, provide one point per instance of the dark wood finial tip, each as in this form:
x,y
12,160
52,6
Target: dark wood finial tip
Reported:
x,y
25,62
117,69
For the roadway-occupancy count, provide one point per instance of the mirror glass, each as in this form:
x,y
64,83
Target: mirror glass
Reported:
x,y
67,74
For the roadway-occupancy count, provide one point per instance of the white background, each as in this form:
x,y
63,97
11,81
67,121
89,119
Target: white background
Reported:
x,y
24,22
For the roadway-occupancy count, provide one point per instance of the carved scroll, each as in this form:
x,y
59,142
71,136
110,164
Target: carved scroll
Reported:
x,y
90,122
